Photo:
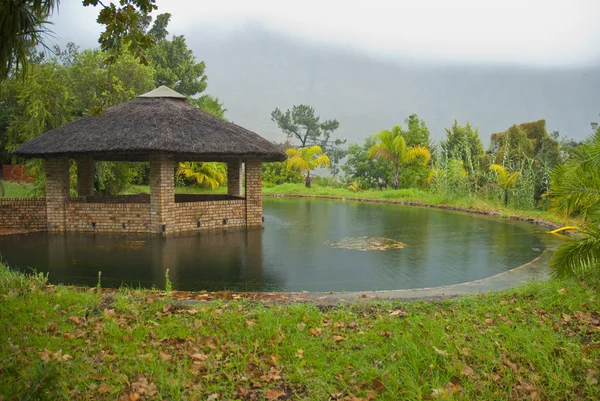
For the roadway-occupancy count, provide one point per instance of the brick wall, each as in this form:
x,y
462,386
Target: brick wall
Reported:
x,y
253,192
85,177
109,217
57,192
23,213
234,178
137,198
162,193
196,216
16,172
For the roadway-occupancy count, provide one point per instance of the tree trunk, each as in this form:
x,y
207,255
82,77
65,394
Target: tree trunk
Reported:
x,y
396,178
307,181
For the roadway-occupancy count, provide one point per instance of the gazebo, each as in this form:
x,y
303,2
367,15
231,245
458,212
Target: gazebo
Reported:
x,y
161,127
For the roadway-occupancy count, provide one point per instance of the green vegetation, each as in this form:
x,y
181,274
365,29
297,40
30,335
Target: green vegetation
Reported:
x,y
302,124
535,342
17,190
306,160
420,197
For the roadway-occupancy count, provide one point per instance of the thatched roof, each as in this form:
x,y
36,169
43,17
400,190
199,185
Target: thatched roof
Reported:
x,y
161,121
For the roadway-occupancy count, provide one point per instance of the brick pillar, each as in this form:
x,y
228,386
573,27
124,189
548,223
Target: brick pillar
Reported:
x,y
253,192
162,193
234,178
85,176
57,192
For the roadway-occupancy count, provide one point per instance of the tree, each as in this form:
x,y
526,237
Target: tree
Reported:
x,y
575,190
505,180
463,143
211,105
367,170
307,159
24,23
303,124
417,133
88,75
175,64
22,26
205,174
391,145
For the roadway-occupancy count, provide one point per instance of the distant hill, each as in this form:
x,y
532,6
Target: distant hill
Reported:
x,y
254,70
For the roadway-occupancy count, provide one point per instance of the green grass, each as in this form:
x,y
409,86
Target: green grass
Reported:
x,y
17,190
536,342
419,196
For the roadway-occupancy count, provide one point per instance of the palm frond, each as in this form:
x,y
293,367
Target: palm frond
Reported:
x,y
579,256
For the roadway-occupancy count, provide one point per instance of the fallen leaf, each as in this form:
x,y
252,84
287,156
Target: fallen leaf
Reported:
x,y
338,339
439,351
274,394
165,357
301,326
316,331
300,353
378,384
467,371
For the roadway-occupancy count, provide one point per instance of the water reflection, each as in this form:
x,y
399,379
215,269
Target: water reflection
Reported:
x,y
290,253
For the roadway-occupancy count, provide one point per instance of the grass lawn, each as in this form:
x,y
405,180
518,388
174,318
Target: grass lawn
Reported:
x,y
17,190
537,342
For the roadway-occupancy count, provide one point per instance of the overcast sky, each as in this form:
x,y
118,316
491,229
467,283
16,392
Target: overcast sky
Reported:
x,y
539,33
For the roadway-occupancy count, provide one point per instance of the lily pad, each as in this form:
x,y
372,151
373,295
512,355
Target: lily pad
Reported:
x,y
366,243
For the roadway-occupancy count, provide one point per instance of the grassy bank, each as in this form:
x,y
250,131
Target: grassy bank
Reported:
x,y
537,342
419,196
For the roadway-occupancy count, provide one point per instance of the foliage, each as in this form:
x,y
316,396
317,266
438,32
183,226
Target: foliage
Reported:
x,y
211,105
88,80
504,179
528,147
23,24
123,28
367,170
451,179
417,133
306,159
391,146
174,63
463,143
206,174
43,103
277,173
575,189
303,124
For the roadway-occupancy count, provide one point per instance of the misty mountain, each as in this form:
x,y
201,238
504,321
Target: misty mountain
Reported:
x,y
253,70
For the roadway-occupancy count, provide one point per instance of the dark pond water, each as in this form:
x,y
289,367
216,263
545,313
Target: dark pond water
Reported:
x,y
293,251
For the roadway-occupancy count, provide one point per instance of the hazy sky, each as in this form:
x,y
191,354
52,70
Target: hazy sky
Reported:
x,y
541,33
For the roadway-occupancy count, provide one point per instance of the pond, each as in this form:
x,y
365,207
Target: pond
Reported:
x,y
305,245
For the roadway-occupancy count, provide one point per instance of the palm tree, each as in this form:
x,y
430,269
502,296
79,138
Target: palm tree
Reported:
x,y
575,190
22,26
391,145
206,174
306,159
505,181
